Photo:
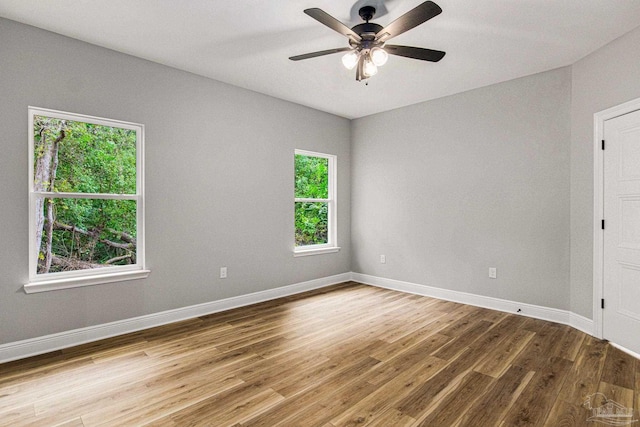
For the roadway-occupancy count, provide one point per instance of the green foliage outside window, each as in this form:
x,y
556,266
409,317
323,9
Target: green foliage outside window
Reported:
x,y
77,157
312,177
311,217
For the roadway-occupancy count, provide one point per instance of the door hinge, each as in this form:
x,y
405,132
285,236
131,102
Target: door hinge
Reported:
x,y
603,224
602,303
603,144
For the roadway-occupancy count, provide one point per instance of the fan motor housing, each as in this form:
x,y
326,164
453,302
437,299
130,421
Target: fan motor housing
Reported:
x,y
367,31
367,27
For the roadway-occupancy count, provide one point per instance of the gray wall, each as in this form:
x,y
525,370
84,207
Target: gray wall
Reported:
x,y
448,188
606,78
219,181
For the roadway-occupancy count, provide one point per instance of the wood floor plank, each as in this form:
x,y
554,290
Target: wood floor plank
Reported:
x,y
270,372
326,406
498,399
226,406
619,368
534,404
304,380
411,356
18,415
457,402
392,417
536,325
318,339
18,374
423,315
428,332
345,355
63,378
202,340
620,395
333,385
420,399
584,377
568,345
132,411
497,361
583,380
536,353
163,393
497,332
463,340
385,397
566,414
496,317
76,422
461,324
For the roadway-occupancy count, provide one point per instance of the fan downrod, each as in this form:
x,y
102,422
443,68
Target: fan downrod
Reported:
x,y
367,12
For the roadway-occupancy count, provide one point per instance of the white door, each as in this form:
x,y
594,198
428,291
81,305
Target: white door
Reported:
x,y
621,315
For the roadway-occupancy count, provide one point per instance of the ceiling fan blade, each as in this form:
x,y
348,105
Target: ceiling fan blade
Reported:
x,y
415,52
331,22
319,53
409,20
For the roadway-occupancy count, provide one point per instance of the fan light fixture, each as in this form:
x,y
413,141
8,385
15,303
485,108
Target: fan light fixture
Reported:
x,y
373,59
368,48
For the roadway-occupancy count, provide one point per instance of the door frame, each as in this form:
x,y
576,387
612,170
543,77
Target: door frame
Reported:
x,y
598,205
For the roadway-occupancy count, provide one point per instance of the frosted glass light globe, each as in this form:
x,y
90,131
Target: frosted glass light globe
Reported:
x,y
350,60
379,56
369,69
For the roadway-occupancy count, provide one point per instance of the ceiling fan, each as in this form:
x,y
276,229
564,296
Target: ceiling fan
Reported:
x,y
367,42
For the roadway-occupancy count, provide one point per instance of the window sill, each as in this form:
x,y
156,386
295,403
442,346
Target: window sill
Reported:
x,y
76,282
315,251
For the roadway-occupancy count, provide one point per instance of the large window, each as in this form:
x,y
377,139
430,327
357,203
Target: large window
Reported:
x,y
86,200
315,203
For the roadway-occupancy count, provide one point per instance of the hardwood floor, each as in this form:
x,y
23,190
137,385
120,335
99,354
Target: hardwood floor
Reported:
x,y
342,356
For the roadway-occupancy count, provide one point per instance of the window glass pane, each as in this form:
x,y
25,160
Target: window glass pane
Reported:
x,y
311,223
79,234
77,157
312,177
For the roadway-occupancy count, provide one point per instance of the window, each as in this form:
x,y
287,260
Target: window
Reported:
x,y
315,203
86,211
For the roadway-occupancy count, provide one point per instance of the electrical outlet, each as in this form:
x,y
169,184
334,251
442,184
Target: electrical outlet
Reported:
x,y
383,259
493,272
223,272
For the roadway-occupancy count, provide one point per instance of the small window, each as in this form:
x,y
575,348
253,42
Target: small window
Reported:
x,y
315,203
86,206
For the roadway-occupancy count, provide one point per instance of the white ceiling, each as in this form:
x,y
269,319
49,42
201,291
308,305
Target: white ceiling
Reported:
x,y
247,42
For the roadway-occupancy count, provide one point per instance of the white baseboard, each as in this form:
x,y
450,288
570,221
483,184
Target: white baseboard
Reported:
x,y
31,347
539,312
581,323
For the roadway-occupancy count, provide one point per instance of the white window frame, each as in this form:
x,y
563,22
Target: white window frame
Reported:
x,y
332,242
73,279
